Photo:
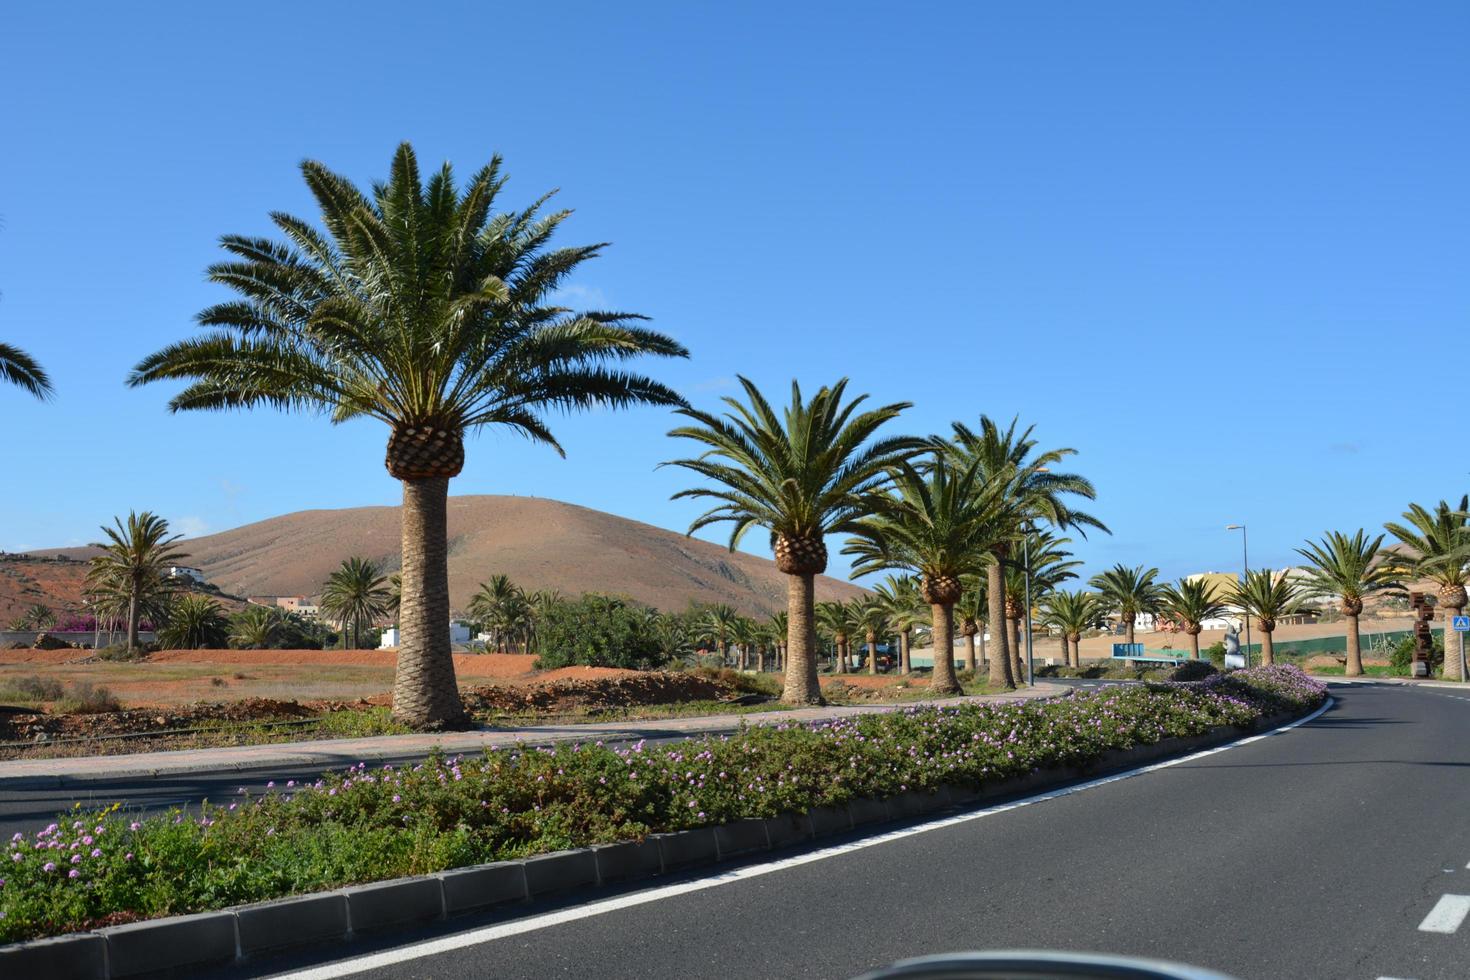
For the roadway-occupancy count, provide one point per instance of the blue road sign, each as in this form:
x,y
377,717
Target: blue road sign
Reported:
x,y
1462,624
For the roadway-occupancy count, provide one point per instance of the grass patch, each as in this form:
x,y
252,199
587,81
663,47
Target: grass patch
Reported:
x,y
363,825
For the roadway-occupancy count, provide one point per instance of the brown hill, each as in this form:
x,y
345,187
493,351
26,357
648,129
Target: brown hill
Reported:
x,y
540,544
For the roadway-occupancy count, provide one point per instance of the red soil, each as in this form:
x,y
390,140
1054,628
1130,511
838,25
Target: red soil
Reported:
x,y
873,680
465,664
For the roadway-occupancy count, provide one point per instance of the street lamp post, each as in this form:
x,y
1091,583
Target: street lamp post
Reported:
x,y
1030,660
1245,563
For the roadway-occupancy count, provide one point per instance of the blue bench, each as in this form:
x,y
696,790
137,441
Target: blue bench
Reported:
x,y
1135,651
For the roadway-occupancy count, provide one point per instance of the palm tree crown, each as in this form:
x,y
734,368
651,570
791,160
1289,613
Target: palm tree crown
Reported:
x,y
1438,543
1266,595
1128,592
1349,569
131,573
1190,602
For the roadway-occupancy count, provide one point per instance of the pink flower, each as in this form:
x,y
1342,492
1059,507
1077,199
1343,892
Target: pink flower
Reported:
x,y
49,866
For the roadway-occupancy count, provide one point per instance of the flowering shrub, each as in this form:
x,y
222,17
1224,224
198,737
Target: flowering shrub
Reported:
x,y
364,825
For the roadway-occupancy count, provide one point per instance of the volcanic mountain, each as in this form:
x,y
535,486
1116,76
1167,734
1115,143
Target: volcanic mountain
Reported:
x,y
538,543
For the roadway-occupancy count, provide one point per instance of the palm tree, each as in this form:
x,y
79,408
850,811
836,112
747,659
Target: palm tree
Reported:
x,y
903,607
871,614
21,370
38,616
395,594
1438,543
1073,613
422,307
1189,603
938,523
497,606
1267,596
746,635
717,626
1350,569
1027,491
1128,593
355,595
255,627
1049,569
132,571
972,610
195,622
776,634
836,618
801,477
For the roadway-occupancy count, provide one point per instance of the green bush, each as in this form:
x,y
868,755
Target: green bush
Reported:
x,y
1402,655
598,631
1215,653
31,689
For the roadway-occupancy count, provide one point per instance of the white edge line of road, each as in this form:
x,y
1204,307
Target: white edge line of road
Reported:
x,y
474,937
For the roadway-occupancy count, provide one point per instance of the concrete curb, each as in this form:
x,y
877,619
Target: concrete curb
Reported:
x,y
249,931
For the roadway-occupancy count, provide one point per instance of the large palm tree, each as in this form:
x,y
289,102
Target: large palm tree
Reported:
x,y
131,573
1073,613
937,522
1128,593
1189,603
1438,543
355,595
423,307
802,475
195,622
20,369
1028,491
1266,595
1350,569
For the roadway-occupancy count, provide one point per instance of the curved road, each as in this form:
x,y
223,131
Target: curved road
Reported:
x,y
1336,850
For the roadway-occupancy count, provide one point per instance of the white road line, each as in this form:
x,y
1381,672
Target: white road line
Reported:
x,y
1447,915
474,937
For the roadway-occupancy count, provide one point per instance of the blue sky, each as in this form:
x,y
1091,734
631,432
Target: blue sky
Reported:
x,y
1219,249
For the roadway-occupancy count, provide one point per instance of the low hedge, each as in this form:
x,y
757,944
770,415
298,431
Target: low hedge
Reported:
x,y
100,867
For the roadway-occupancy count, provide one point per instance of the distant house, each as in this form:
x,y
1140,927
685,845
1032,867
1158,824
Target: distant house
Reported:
x,y
290,603
186,572
458,633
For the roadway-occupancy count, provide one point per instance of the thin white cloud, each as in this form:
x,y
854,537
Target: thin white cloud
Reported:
x,y
189,526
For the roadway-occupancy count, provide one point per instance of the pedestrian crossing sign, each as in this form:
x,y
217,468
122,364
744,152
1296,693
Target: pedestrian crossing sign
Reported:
x,y
1461,624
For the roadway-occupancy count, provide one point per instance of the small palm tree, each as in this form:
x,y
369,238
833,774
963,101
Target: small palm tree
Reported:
x,y
1267,596
904,609
871,614
802,477
1189,603
132,571
972,610
497,606
836,619
20,369
1073,613
423,307
939,524
355,595
195,622
38,616
1350,569
777,628
1027,491
255,627
717,626
1128,593
1050,567
1438,543
746,635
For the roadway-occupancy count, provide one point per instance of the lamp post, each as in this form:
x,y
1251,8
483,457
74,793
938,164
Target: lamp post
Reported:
x,y
1245,563
1026,557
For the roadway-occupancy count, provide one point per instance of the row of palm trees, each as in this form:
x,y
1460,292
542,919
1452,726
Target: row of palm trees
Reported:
x,y
421,305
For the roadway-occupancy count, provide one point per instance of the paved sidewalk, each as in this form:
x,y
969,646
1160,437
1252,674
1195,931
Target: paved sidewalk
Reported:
x,y
30,774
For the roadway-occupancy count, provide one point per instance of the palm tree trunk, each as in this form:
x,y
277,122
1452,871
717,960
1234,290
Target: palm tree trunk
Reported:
x,y
802,686
1074,655
943,680
1128,624
1268,653
1194,646
905,652
984,660
425,694
873,656
1013,626
1000,657
1355,650
133,621
1452,667
970,652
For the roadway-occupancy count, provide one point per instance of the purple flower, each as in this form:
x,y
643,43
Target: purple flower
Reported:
x,y
49,866
73,873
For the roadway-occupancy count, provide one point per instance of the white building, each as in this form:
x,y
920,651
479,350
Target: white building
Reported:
x,y
392,636
184,571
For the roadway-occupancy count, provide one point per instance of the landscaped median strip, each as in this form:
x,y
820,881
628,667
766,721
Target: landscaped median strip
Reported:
x,y
253,930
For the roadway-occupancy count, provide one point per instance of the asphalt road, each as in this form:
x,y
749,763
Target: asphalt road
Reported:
x,y
1325,852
